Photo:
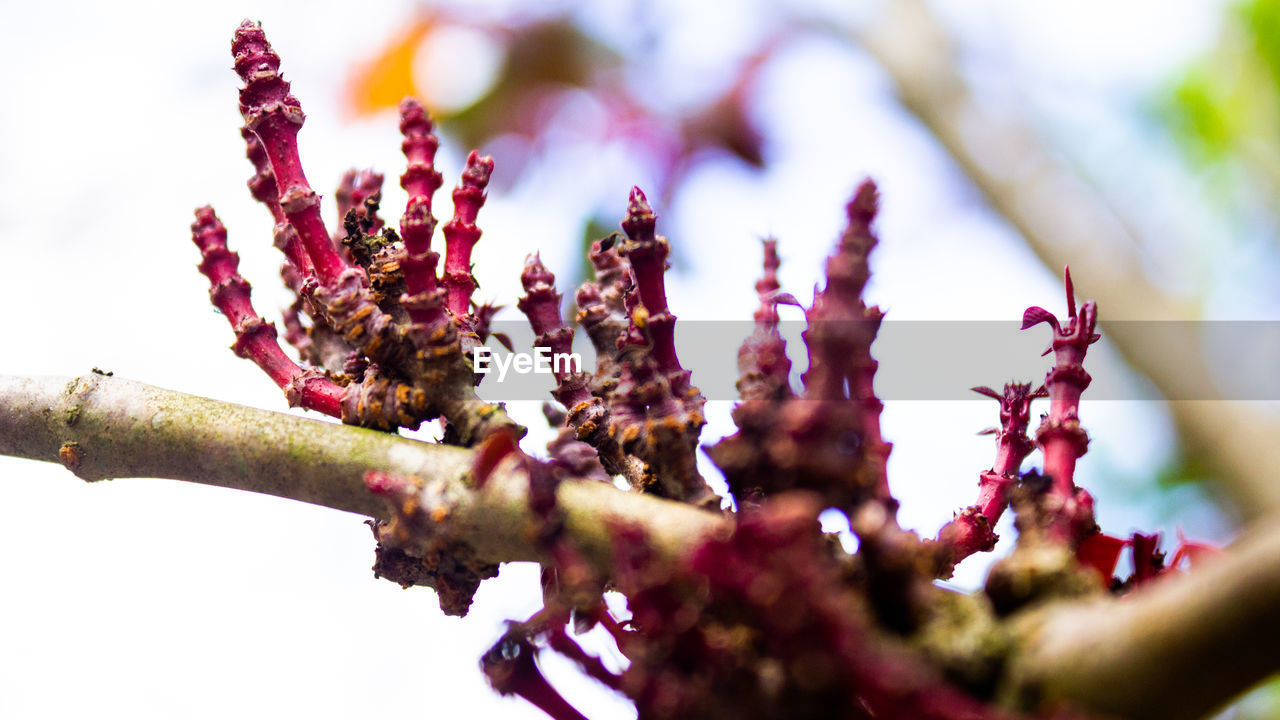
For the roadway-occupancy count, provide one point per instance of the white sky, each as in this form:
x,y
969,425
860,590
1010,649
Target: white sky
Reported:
x,y
154,599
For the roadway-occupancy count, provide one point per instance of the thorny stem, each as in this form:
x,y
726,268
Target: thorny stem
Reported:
x,y
763,387
767,286
1060,436
973,529
541,304
461,234
421,371
647,254
856,244
263,188
255,337
375,402
586,413
275,116
763,365
841,329
420,180
654,411
601,311
263,183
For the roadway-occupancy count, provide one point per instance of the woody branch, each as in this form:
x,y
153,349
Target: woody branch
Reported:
x,y
104,427
1182,647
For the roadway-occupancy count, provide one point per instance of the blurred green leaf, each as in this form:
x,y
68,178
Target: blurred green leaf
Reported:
x,y
1199,115
1261,22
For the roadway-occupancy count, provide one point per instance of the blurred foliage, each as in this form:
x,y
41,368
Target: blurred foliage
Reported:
x,y
1184,469
548,64
540,60
388,77
1225,109
559,82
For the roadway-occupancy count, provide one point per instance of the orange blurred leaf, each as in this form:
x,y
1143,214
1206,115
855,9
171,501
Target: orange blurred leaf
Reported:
x,y
388,78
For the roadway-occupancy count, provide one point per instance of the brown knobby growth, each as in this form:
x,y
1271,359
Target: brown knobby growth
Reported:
x,y
768,619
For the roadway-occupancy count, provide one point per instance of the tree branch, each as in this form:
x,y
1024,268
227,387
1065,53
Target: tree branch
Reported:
x,y
1173,651
1064,220
105,427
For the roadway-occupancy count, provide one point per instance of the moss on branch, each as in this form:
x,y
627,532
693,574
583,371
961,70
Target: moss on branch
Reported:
x,y
106,427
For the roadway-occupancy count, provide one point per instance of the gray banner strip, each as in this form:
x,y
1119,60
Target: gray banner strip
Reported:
x,y
941,360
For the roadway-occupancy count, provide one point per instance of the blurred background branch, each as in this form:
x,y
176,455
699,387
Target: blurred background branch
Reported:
x,y
1066,220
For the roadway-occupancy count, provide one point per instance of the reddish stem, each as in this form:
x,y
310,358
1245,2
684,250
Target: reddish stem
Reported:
x,y
256,338
286,239
560,641
420,180
586,413
419,264
857,243
275,116
973,529
1060,436
461,233
541,305
601,311
647,254
1012,447
767,286
263,188
763,389
510,668
263,183
841,329
763,365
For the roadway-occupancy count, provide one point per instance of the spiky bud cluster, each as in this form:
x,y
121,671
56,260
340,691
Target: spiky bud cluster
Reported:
x,y
767,620
388,362
826,438
638,409
255,337
973,528
1069,512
